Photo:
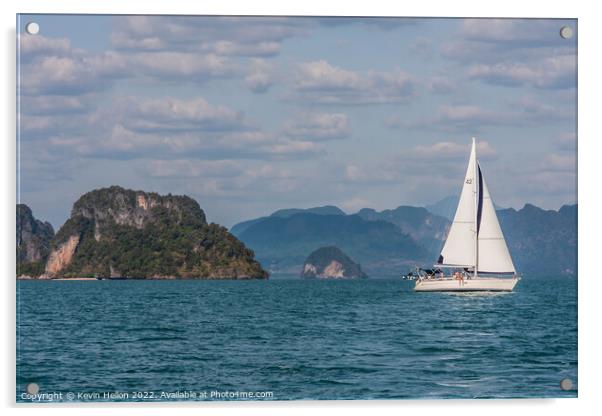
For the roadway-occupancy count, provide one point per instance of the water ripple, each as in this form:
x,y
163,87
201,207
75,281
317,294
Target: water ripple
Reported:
x,y
301,339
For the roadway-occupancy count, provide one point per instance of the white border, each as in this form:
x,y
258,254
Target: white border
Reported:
x,y
590,24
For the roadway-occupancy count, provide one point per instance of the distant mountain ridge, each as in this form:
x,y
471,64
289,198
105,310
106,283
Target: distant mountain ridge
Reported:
x,y
426,228
237,229
282,244
119,232
446,207
541,242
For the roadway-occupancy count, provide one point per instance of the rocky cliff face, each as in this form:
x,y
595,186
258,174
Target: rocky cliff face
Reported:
x,y
33,242
331,263
62,255
115,232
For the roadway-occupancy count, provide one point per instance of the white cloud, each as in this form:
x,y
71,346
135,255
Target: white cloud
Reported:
x,y
194,67
60,75
221,35
323,83
319,126
497,40
52,66
172,115
515,52
168,128
33,46
260,77
551,72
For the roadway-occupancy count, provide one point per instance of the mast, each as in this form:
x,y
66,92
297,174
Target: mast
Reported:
x,y
476,209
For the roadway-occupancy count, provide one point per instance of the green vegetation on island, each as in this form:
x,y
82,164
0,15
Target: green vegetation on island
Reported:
x,y
119,233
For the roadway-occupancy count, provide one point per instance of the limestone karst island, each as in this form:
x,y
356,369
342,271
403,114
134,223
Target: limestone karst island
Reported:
x,y
331,263
119,233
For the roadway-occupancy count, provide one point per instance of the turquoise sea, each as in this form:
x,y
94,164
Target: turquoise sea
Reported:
x,y
290,339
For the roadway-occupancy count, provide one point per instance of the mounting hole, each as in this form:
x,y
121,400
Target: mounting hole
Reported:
x,y
566,32
566,384
32,388
32,28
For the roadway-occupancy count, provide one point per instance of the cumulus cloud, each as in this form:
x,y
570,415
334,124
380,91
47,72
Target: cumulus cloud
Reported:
x,y
492,40
319,126
552,72
51,66
175,65
60,75
323,83
259,78
167,128
241,36
515,52
33,46
173,115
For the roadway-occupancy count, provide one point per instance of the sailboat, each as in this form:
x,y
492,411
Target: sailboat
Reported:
x,y
475,246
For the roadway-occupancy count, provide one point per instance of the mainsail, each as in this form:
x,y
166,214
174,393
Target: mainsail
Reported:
x,y
475,239
459,248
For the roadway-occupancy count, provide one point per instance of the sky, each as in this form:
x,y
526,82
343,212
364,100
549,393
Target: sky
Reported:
x,y
248,115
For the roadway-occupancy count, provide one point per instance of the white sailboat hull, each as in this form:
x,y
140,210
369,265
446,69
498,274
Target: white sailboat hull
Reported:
x,y
480,284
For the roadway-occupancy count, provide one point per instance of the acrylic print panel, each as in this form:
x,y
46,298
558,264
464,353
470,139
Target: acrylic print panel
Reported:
x,y
291,208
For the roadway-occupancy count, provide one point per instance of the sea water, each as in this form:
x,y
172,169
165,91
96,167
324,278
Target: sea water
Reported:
x,y
284,339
